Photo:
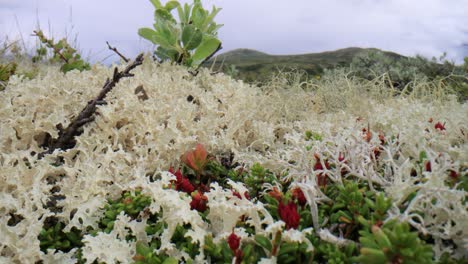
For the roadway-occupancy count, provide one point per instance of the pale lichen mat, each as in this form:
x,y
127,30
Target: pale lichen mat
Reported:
x,y
135,138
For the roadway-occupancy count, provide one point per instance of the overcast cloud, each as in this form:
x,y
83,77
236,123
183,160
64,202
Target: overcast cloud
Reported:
x,y
408,27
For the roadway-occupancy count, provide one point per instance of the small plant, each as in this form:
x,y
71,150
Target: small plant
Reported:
x,y
332,254
312,136
257,177
190,41
357,215
393,243
145,255
132,205
53,237
196,160
232,71
62,52
6,71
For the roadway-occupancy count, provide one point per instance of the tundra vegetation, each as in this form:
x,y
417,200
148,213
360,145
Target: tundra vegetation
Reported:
x,y
159,160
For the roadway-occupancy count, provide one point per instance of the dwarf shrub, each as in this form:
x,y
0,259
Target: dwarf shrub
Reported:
x,y
189,41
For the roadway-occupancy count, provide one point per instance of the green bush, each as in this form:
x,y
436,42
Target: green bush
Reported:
x,y
400,72
62,52
189,41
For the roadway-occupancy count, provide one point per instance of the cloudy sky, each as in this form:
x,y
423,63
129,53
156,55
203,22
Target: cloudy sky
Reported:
x,y
408,27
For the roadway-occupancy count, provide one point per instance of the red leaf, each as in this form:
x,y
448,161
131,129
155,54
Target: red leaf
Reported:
x,y
233,241
275,193
299,196
196,159
181,182
367,135
427,166
439,126
289,215
237,194
454,175
199,202
321,178
341,157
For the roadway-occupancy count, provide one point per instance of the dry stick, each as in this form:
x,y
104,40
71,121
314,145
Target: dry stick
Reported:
x,y
114,49
66,139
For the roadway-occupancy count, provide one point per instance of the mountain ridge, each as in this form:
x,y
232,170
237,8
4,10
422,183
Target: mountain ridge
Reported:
x,y
253,65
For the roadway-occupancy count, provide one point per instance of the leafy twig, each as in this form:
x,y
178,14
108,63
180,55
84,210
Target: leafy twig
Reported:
x,y
62,52
66,139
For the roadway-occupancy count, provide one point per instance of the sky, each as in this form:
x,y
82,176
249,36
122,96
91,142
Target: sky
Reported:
x,y
408,27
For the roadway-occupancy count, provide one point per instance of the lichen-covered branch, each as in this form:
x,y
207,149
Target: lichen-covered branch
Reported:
x,y
66,139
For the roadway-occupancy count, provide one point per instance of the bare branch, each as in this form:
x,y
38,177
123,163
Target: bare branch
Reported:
x,y
114,49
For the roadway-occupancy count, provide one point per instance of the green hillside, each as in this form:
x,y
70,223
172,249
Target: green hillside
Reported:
x,y
253,65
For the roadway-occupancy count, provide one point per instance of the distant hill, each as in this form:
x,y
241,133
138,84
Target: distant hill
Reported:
x,y
255,65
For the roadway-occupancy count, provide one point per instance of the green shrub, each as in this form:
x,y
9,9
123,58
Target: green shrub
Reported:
x,y
400,72
62,52
373,64
189,41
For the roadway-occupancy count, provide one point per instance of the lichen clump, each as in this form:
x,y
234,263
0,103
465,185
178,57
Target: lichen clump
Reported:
x,y
389,145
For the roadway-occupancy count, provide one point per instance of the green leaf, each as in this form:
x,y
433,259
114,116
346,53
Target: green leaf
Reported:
x,y
76,65
156,3
370,203
191,37
338,206
212,15
198,16
170,260
370,255
208,22
184,14
422,156
206,48
380,237
368,242
148,34
171,5
166,33
165,15
288,248
263,242
60,44
247,250
142,249
213,28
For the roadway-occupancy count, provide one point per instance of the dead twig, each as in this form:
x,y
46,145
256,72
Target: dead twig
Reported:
x,y
114,49
66,139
